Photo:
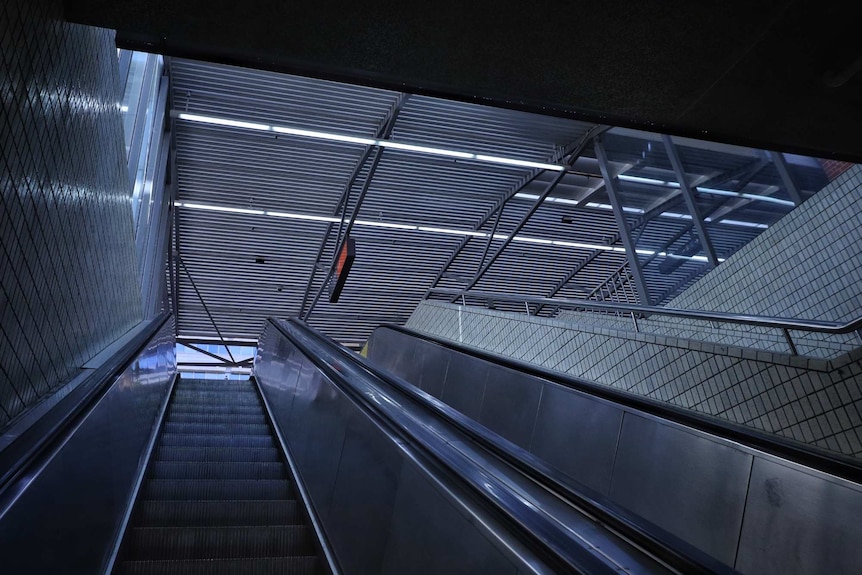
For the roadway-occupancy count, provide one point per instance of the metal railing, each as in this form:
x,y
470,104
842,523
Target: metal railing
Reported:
x,y
633,311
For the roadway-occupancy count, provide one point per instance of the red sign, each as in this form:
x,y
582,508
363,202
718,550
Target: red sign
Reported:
x,y
342,268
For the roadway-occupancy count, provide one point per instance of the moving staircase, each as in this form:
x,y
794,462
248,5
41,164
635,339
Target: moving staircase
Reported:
x,y
217,497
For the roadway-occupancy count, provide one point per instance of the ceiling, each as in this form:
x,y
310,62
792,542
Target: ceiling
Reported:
x,y
775,74
258,208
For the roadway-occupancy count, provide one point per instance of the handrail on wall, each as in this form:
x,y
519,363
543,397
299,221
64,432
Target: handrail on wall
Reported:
x,y
782,323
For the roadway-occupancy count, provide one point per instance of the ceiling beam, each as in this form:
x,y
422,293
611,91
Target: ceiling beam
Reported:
x,y
622,225
688,196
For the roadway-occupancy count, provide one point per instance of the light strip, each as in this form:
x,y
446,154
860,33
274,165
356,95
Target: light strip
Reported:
x,y
324,136
374,224
221,209
434,230
671,215
225,122
712,191
424,149
308,217
370,142
521,163
453,232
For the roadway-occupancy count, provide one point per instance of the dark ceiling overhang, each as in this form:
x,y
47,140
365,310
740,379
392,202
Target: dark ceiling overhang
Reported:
x,y
771,74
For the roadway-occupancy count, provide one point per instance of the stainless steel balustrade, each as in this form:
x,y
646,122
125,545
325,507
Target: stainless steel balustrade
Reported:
x,y
782,323
397,489
64,498
748,507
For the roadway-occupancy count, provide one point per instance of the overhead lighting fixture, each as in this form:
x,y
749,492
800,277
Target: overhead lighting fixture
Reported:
x,y
424,149
631,210
452,232
374,224
307,217
430,229
419,149
703,190
221,209
225,122
324,136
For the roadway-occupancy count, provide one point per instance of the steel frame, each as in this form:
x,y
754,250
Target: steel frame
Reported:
x,y
688,196
619,215
383,133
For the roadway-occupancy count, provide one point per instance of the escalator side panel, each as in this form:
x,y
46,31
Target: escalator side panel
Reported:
x,y
780,500
67,518
357,479
747,508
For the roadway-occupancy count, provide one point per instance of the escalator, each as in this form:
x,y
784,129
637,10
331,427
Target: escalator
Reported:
x,y
217,497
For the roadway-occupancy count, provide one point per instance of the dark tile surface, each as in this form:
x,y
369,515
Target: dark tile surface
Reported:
x,y
68,280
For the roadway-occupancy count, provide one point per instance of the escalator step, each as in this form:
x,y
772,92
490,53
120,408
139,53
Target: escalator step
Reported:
x,y
231,397
217,428
217,385
220,470
223,409
239,489
259,566
196,513
173,543
204,440
217,454
217,418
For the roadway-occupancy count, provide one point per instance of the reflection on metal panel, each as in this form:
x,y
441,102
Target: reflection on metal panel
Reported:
x,y
360,496
355,476
577,435
688,483
98,464
423,523
798,523
677,480
510,405
465,385
435,363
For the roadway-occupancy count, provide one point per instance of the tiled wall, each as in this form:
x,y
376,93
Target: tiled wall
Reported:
x,y
814,401
808,265
68,284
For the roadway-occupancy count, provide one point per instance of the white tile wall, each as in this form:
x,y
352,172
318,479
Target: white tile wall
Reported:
x,y
68,281
815,401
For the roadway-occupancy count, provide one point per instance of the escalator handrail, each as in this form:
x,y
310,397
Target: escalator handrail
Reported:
x,y
35,447
669,548
553,545
783,448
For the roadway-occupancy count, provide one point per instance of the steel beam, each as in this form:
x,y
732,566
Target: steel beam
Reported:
x,y
688,196
619,215
520,185
575,148
786,177
382,133
209,353
573,157
203,303
483,269
378,154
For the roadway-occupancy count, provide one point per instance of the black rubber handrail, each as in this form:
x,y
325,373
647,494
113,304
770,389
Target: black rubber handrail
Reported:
x,y
552,544
37,442
670,549
784,448
783,323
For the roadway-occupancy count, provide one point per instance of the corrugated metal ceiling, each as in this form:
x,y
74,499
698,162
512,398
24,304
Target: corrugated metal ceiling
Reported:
x,y
248,266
